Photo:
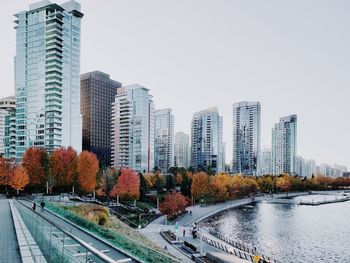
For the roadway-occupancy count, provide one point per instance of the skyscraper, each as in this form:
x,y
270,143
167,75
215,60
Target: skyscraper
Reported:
x,y
182,150
132,136
246,138
7,105
266,161
164,140
284,146
206,140
98,92
47,77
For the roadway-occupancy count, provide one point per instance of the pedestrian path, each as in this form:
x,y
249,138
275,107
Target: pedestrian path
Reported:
x,y
9,250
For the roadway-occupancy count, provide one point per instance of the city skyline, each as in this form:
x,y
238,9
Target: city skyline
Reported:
x,y
306,79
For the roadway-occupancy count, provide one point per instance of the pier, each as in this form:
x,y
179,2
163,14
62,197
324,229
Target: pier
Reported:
x,y
324,202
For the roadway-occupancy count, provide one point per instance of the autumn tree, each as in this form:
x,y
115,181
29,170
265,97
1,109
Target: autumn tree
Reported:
x,y
64,164
19,179
87,171
265,183
283,183
200,185
219,186
127,186
36,163
186,184
6,171
178,179
173,204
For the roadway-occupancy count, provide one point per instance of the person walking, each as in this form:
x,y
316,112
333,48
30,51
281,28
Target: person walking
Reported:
x,y
34,206
183,232
42,204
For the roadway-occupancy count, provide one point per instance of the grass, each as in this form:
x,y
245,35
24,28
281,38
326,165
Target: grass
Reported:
x,y
114,231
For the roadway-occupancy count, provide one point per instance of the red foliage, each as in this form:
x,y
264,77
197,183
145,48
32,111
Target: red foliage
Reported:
x,y
128,185
64,164
19,179
173,204
6,171
87,171
35,161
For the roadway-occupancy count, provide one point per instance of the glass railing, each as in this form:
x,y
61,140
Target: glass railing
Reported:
x,y
56,244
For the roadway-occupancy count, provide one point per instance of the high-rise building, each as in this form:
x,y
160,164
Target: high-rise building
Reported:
x,y
7,105
182,150
47,77
266,161
132,135
299,166
206,140
223,158
309,168
164,140
98,92
246,138
284,146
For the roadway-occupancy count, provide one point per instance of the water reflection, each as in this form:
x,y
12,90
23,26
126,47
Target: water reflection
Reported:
x,y
290,232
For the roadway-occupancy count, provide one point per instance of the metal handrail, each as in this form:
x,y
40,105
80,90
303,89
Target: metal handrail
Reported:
x,y
90,248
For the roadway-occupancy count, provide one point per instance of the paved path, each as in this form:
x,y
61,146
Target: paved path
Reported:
x,y
113,253
9,251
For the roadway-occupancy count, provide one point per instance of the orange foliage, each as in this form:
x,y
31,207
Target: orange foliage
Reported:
x,y
19,179
64,164
87,171
128,185
219,186
178,179
34,162
173,203
200,185
283,183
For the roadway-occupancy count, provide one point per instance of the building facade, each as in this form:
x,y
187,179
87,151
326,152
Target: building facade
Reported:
x,y
266,161
206,141
47,77
284,146
182,150
132,135
164,140
7,105
98,92
246,138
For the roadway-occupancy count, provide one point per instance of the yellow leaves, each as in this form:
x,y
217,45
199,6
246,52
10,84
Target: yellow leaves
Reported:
x,y
19,179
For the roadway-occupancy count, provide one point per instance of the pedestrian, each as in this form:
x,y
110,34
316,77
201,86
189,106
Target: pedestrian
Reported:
x,y
34,206
42,204
165,248
183,232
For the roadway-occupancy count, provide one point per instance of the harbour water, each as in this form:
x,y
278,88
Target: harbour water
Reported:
x,y
289,232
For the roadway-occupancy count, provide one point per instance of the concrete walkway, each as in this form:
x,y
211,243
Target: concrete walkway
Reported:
x,y
9,250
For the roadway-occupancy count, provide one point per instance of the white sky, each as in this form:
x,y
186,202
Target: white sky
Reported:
x,y
292,56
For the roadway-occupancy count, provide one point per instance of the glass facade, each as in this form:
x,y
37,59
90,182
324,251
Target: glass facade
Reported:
x,y
7,105
206,141
246,138
132,136
284,146
164,140
47,77
97,95
182,150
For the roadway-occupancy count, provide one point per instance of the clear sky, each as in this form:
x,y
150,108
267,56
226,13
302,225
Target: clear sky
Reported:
x,y
293,56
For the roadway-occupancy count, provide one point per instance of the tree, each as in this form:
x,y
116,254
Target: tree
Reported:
x,y
283,183
143,187
64,164
219,186
173,204
265,183
200,185
6,171
36,163
169,181
87,171
178,179
186,183
128,185
19,179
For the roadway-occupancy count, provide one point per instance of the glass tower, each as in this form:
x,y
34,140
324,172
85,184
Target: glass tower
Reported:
x,y
47,77
206,141
132,135
246,138
284,146
7,106
164,140
182,150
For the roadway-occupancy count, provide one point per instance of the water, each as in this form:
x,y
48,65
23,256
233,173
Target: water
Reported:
x,y
290,232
